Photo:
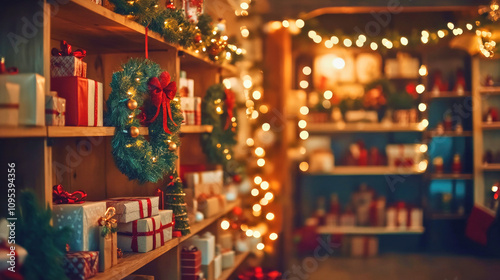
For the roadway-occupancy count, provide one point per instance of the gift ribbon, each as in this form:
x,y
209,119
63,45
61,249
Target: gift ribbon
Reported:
x,y
60,196
135,233
9,106
5,70
230,103
139,200
67,51
50,111
96,102
108,222
162,92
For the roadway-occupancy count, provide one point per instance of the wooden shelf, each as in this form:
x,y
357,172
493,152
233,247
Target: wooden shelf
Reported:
x,y
434,133
22,131
489,90
238,260
447,216
451,176
491,126
367,230
491,167
368,170
449,94
133,261
78,131
190,57
185,129
329,128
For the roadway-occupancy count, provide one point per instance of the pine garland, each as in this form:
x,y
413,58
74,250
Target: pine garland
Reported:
x,y
136,157
175,201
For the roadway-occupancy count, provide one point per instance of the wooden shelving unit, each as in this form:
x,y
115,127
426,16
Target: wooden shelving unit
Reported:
x,y
491,167
491,126
434,133
367,230
450,94
332,128
238,260
22,132
451,176
495,90
367,170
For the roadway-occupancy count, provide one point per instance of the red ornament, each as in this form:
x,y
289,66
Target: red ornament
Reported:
x,y
237,211
170,5
237,178
197,38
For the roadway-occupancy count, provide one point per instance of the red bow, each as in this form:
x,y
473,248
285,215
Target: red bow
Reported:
x,y
230,103
162,92
60,196
66,51
5,70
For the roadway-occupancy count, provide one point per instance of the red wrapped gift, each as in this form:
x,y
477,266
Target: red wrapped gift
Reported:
x,y
84,100
478,224
67,66
81,265
190,263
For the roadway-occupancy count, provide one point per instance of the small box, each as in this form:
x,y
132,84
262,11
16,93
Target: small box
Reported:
x,y
67,66
217,266
55,110
206,244
228,259
211,206
108,255
129,209
81,265
9,104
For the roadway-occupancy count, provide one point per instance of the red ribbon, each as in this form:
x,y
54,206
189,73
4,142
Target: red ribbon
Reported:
x,y
230,104
60,196
9,106
52,112
96,102
162,92
66,51
139,200
135,234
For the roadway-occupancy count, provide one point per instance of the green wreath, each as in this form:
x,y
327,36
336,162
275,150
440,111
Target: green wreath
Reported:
x,y
218,110
142,94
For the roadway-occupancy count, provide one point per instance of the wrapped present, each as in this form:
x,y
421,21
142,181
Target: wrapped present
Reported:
x,y
193,9
82,219
479,223
225,239
129,209
217,266
146,234
31,98
9,104
67,63
364,246
191,110
84,100
228,259
211,206
209,271
55,110
190,257
139,277
107,240
186,86
205,182
81,265
206,244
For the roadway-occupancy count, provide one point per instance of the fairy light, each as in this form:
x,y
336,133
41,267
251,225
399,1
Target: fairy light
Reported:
x,y
250,142
264,202
302,124
347,42
422,166
266,126
307,70
304,166
304,135
304,84
389,45
273,236
450,25
304,110
249,232
247,84
254,192
362,38
425,40
256,234
244,32
317,39
335,40
423,148
420,88
299,23
224,225
256,207
494,188
311,34
329,44
373,46
264,185
328,94
259,152
441,33
244,6
263,109
255,114
404,41
260,246
285,23
257,180
359,43
269,196
256,95
469,26
422,71
261,162
249,103
270,216
422,107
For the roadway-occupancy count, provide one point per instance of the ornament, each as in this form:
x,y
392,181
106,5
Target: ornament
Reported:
x,y
172,146
214,49
134,132
132,104
197,38
170,5
457,164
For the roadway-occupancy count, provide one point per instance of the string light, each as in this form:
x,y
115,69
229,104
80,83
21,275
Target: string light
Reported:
x,y
263,202
264,185
373,46
422,107
261,162
302,124
256,234
256,207
299,23
266,126
423,148
256,95
335,40
347,42
404,41
259,152
249,232
270,216
304,110
244,6
260,246
420,88
317,39
254,192
285,23
328,94
304,135
311,34
273,236
422,166
304,166
250,142
224,225
422,71
263,109
328,44
307,70
269,196
441,33
304,84
257,180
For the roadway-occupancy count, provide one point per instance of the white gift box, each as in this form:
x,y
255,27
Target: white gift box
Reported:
x,y
217,266
212,205
9,104
82,219
228,259
191,110
205,182
225,240
146,234
129,209
206,244
55,110
95,104
31,98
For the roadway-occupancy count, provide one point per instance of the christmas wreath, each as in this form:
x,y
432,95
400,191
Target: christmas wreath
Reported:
x,y
218,110
142,93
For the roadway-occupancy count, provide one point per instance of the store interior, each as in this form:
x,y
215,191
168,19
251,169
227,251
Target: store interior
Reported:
x,y
250,139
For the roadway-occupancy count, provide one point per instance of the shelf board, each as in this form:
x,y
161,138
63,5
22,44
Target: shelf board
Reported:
x,y
99,30
197,227
491,167
238,260
447,216
368,170
449,94
196,128
22,131
451,176
491,126
434,133
326,128
78,131
367,230
489,90
134,261
191,57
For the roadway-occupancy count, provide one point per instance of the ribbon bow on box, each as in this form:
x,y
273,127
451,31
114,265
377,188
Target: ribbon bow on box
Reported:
x,y
66,51
107,222
60,196
162,91
189,249
230,104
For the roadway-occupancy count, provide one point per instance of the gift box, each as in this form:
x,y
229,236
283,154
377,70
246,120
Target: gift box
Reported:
x,y
108,250
82,219
146,234
9,104
206,244
225,240
205,182
479,223
190,257
55,110
84,100
191,110
212,205
129,209
31,98
364,246
139,277
67,66
81,265
209,271
228,259
217,266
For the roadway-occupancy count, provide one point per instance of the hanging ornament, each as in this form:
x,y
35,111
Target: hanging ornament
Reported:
x,y
493,10
134,132
197,38
221,25
172,146
214,49
132,104
170,5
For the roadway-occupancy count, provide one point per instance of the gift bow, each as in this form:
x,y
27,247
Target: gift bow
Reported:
x,y
162,92
5,70
230,103
60,196
107,222
66,51
189,249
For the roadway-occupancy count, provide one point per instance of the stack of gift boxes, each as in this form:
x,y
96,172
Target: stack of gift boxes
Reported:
x,y
190,105
101,229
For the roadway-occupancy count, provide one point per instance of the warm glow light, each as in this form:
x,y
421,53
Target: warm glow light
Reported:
x,y
420,88
254,192
266,126
270,216
273,236
338,63
328,94
425,33
494,188
257,180
256,234
423,148
264,185
249,232
259,152
424,123
326,104
311,34
404,41
304,135
389,45
302,124
422,166
299,23
255,114
347,42
263,109
244,227
261,162
441,33
328,44
307,70
469,26
264,202
451,25
317,39
260,246
422,107
269,196
362,38
247,84
256,95
304,84
359,43
425,40
422,71
256,207
304,110
304,166
285,23
249,103
224,225
373,46
335,40
244,6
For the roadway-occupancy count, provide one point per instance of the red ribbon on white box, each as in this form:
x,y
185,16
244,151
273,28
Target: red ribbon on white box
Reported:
x,y
135,234
139,200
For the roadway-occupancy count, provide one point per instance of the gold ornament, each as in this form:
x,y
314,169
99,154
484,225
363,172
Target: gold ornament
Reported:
x,y
134,132
172,146
132,104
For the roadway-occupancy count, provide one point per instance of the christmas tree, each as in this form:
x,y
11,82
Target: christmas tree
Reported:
x,y
175,202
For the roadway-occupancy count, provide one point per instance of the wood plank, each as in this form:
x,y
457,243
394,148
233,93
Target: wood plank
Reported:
x,y
189,57
449,94
434,133
491,126
77,131
491,167
22,131
367,170
437,176
489,90
238,260
319,128
186,129
367,230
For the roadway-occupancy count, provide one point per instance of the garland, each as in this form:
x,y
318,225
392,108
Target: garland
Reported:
x,y
142,94
218,110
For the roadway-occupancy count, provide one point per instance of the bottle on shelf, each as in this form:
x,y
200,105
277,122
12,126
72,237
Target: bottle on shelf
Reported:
x,y
332,218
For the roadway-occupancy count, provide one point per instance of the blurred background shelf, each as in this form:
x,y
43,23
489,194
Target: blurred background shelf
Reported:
x,y
434,133
450,94
451,176
328,128
22,131
367,230
368,170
